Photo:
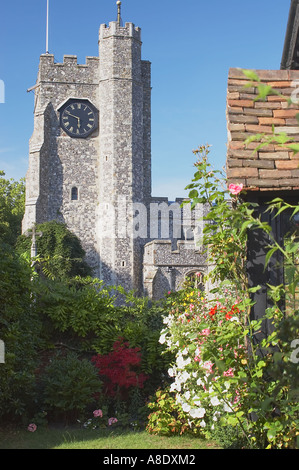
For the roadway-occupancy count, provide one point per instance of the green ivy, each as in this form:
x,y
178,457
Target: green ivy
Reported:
x,y
60,253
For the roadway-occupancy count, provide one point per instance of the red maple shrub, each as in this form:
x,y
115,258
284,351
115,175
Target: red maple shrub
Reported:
x,y
119,369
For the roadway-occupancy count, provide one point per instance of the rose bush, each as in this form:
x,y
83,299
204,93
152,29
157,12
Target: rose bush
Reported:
x,y
205,337
222,376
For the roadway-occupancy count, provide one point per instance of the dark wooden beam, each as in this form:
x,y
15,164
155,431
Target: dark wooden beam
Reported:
x,y
290,55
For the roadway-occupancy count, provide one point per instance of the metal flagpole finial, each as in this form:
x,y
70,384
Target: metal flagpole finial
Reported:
x,y
47,29
119,22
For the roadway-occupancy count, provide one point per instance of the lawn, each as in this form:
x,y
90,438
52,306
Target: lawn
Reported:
x,y
74,438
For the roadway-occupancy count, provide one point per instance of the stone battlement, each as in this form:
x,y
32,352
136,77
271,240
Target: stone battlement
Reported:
x,y
69,70
68,60
160,253
114,29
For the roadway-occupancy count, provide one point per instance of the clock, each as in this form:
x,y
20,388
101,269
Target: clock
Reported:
x,y
78,118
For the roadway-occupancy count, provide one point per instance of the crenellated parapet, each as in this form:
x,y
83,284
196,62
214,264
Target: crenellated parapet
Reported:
x,y
69,70
114,29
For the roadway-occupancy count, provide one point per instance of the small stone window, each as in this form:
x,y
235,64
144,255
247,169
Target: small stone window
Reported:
x,y
74,194
195,279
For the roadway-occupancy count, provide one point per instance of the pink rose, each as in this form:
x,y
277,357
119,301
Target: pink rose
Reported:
x,y
235,188
98,413
112,421
32,427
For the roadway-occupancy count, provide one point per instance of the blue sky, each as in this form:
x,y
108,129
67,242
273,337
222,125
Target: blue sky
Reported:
x,y
191,45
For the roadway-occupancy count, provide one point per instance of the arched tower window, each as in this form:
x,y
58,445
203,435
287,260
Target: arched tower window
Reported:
x,y
74,193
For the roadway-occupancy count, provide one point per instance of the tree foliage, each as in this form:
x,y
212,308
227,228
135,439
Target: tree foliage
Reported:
x,y
60,253
12,205
20,329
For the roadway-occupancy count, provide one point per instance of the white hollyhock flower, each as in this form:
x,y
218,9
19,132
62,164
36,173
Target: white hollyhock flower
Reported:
x,y
215,401
200,382
181,363
197,412
184,376
186,407
162,338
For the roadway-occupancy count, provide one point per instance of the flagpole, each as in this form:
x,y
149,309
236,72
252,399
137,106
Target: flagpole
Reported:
x,y
47,29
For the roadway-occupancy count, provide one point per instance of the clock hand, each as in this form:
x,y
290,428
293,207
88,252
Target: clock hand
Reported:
x,y
74,116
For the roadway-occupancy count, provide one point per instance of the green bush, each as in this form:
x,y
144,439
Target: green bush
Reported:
x,y
20,331
70,385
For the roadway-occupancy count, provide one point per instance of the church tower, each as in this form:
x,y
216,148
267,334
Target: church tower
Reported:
x,y
124,149
90,151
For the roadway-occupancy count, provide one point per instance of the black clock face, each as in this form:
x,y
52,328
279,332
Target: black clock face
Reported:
x,y
78,118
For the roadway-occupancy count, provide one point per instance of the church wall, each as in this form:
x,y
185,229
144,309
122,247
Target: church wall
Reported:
x,y
56,161
166,269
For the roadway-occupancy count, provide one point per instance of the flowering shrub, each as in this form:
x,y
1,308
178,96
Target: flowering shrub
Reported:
x,y
119,369
196,335
99,420
222,375
219,375
167,416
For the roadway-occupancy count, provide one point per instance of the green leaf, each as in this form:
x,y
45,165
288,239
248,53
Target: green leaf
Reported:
x,y
266,403
251,75
269,254
294,147
254,289
271,434
282,138
193,194
264,91
295,211
245,226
